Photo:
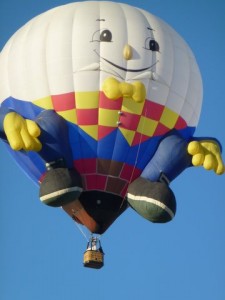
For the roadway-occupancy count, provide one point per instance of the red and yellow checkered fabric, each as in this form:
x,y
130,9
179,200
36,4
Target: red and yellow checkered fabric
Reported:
x,y
98,116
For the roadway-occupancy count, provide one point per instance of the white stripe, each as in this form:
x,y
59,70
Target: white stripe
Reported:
x,y
153,201
61,192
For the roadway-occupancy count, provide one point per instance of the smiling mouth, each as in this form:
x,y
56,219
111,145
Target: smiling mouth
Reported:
x,y
122,68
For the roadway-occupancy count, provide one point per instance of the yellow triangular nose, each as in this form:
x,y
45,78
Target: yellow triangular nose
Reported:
x,y
127,52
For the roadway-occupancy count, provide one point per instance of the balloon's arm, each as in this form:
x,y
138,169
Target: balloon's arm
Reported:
x,y
207,153
21,134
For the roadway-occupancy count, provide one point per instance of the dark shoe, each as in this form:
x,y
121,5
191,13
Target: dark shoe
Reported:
x,y
154,201
60,186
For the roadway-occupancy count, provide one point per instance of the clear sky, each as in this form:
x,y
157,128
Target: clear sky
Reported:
x,y
41,249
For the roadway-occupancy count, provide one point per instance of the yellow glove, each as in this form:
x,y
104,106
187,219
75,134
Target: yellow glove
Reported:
x,y
21,133
207,153
114,89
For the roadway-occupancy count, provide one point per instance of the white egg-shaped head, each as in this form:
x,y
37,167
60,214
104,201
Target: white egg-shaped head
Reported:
x,y
75,47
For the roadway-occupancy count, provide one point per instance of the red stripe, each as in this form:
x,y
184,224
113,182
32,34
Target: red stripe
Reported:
x,y
86,165
95,182
139,138
161,130
129,171
109,103
180,124
104,131
63,102
152,110
129,121
87,116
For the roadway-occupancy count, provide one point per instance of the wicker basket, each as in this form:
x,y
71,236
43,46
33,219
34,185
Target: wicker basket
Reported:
x,y
93,259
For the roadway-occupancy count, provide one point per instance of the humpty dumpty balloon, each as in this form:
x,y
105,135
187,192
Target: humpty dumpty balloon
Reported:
x,y
99,104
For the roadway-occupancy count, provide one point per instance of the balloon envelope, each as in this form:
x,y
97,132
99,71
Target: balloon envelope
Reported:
x,y
61,59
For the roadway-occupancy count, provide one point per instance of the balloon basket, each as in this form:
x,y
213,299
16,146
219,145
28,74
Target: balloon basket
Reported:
x,y
93,259
94,255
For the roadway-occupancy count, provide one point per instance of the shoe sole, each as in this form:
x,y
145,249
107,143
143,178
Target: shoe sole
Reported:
x,y
152,201
54,195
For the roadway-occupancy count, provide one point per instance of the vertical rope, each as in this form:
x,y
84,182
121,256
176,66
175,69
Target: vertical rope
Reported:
x,y
82,232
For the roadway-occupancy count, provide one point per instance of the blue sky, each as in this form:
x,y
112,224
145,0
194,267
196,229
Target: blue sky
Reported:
x,y
41,248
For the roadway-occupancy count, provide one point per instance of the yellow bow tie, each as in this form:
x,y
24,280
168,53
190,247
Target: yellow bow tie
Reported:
x,y
114,89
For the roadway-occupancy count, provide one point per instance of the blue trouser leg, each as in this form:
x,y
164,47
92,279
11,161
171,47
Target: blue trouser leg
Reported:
x,y
54,138
170,159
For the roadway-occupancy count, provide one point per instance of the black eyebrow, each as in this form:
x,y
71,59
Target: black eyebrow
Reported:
x,y
100,20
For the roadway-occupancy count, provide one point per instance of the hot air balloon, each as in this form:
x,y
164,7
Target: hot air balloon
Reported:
x,y
99,104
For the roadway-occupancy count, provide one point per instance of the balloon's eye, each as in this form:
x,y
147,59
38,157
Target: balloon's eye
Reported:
x,y
103,35
151,44
106,36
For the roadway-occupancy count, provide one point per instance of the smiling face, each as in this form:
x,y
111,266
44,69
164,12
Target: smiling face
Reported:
x,y
118,41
